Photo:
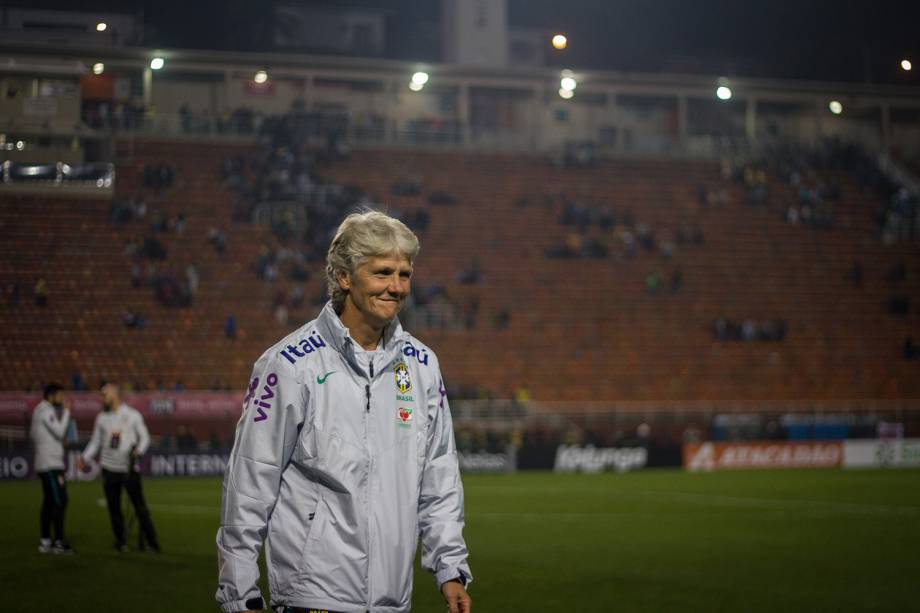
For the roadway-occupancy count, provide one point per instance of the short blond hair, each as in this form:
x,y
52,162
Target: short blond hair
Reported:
x,y
361,236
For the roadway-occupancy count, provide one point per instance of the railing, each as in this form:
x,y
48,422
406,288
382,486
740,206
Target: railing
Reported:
x,y
338,130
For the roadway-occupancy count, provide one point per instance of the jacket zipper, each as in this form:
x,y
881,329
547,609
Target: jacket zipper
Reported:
x,y
367,492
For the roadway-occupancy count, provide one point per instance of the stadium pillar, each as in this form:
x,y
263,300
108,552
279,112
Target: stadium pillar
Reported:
x,y
309,94
682,128
463,111
819,114
886,126
148,86
750,119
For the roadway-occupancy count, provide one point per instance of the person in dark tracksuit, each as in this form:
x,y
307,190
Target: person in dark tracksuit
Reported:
x,y
50,424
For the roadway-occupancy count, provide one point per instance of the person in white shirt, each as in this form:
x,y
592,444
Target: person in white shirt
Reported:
x,y
120,437
50,424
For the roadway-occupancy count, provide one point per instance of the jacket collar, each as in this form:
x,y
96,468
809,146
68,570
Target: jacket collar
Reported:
x,y
334,332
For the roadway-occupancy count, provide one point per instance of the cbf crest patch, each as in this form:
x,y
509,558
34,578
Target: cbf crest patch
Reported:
x,y
403,380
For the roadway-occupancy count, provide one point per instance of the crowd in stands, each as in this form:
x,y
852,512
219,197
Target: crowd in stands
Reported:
x,y
159,176
811,173
594,230
12,293
285,177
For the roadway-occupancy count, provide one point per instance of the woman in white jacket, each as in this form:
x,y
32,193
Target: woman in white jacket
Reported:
x,y
344,454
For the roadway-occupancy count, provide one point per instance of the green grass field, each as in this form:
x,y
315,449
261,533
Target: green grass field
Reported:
x,y
646,541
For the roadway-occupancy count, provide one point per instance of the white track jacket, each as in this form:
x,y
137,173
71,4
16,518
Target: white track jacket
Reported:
x,y
48,432
117,433
341,470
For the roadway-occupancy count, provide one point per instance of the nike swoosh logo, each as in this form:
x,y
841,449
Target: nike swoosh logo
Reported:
x,y
322,379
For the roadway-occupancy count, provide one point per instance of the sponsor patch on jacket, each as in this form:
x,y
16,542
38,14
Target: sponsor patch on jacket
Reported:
x,y
420,354
403,380
260,399
312,343
404,417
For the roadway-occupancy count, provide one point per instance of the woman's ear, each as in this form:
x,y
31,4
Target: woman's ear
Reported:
x,y
344,281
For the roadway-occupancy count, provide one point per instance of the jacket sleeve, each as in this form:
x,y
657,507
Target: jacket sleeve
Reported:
x,y
273,411
440,510
95,441
57,427
143,436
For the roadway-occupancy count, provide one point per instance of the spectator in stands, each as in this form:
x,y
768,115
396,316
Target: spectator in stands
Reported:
x,y
677,280
856,274
217,239
230,326
132,320
645,236
281,314
41,293
192,279
185,440
911,350
159,176
152,274
749,330
12,293
76,382
653,282
441,197
502,319
137,279
470,276
722,329
297,297
153,249
120,212
628,240
140,209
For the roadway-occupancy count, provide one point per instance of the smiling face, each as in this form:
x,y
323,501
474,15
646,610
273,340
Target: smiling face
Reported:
x,y
377,290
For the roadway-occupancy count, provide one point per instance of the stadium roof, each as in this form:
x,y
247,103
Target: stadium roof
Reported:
x,y
852,41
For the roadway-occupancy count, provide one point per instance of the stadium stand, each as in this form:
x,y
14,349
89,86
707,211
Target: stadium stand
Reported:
x,y
533,313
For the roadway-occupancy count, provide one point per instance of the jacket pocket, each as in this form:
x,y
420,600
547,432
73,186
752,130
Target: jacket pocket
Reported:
x,y
334,564
290,529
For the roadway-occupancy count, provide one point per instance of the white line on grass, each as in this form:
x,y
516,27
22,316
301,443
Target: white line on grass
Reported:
x,y
791,504
186,509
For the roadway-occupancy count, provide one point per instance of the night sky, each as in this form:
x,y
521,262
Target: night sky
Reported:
x,y
855,40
